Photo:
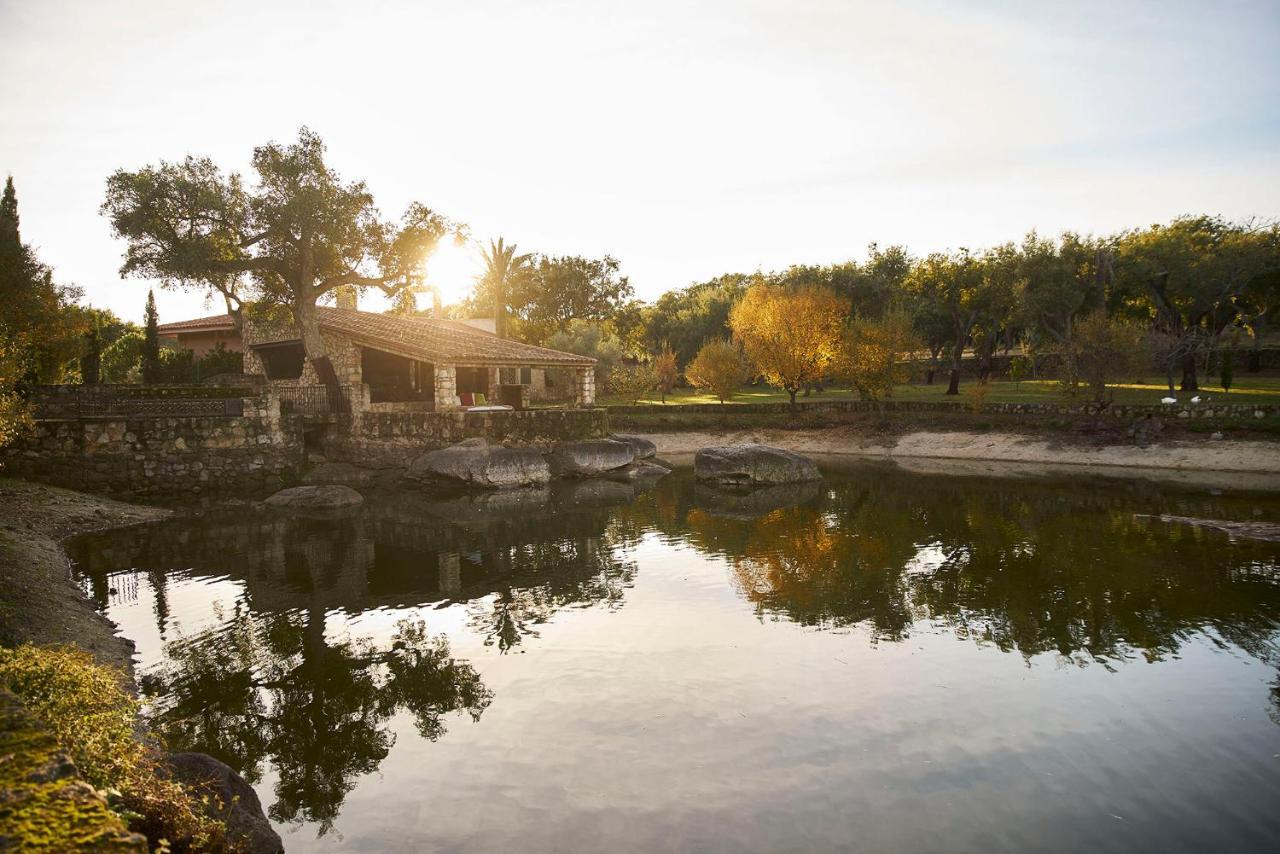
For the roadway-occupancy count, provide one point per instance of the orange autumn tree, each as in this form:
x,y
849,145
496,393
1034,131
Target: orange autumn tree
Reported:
x,y
791,337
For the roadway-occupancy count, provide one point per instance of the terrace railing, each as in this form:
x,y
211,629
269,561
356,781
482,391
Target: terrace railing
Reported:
x,y
71,402
312,400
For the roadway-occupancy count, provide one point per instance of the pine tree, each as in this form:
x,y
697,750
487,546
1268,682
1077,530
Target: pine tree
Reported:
x,y
151,343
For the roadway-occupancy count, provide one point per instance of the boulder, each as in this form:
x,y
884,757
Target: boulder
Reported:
x,y
474,462
639,470
752,465
642,447
320,497
590,458
233,801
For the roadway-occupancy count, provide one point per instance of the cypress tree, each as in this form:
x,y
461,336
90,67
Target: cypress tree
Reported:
x,y
151,343
1228,376
91,361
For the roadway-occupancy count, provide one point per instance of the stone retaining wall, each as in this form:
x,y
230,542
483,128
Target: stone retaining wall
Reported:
x,y
152,456
396,438
1119,411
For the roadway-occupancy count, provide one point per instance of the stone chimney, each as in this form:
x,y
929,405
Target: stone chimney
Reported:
x,y
347,297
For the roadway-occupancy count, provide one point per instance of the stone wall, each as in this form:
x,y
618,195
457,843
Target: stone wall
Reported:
x,y
342,351
1233,411
155,456
396,438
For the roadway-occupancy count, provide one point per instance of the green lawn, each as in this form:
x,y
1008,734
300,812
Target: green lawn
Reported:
x,y
1249,389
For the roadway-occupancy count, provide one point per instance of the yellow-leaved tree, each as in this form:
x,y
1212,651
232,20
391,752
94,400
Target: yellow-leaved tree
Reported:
x,y
718,368
790,337
666,371
875,354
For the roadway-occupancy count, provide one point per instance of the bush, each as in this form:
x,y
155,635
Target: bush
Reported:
x,y
632,382
90,714
719,368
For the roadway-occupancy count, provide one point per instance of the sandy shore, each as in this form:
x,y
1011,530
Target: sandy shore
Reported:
x,y
39,600
1232,463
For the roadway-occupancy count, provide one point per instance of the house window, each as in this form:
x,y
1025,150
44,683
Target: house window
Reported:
x,y
282,361
526,376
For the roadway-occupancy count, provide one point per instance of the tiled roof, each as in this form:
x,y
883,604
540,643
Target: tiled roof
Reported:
x,y
436,341
200,324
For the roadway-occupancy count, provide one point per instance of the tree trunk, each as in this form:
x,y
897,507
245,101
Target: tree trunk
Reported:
x,y
957,355
792,392
304,313
928,375
500,309
1189,372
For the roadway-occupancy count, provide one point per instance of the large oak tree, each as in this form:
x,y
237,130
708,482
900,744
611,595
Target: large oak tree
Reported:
x,y
298,234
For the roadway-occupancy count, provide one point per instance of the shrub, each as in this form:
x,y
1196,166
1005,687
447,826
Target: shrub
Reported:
x,y
90,714
666,371
632,382
718,368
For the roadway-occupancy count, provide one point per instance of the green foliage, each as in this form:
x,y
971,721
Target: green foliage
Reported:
x,y
298,235
91,361
92,718
121,360
39,321
552,292
151,342
587,338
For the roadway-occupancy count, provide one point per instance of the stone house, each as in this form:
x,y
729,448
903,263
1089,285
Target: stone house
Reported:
x,y
418,364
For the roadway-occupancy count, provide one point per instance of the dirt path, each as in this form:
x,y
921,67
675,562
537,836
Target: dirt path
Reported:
x,y
1244,464
39,602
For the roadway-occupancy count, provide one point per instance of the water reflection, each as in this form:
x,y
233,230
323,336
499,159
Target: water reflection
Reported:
x,y
1030,569
284,682
266,684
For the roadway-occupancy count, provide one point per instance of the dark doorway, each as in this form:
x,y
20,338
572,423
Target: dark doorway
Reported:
x,y
393,378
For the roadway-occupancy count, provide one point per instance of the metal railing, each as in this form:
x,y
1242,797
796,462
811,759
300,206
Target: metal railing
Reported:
x,y
104,401
312,400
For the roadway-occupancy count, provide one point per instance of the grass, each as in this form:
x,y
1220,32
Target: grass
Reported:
x,y
1250,389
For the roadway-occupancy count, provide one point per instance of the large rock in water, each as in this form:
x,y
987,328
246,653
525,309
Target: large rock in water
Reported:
x,y
474,462
590,458
752,465
233,801
642,447
327,497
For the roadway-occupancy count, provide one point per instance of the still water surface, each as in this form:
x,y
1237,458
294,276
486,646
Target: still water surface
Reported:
x,y
884,662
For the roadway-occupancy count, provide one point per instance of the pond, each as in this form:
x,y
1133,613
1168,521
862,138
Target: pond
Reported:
x,y
885,661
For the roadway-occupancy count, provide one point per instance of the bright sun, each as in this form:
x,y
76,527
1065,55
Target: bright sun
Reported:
x,y
453,269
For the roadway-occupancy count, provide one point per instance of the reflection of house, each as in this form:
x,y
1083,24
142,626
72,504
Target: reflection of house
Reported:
x,y
431,364
202,335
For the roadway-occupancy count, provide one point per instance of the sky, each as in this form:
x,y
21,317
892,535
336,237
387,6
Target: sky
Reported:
x,y
686,139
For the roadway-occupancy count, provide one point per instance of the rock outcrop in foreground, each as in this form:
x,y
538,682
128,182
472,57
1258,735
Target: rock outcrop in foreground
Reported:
x,y
752,465
233,801
310,498
474,462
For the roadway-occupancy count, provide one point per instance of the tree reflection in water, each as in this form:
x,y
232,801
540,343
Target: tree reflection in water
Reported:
x,y
1023,567
1034,568
267,685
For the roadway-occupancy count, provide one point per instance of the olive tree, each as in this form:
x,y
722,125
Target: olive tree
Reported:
x,y
297,235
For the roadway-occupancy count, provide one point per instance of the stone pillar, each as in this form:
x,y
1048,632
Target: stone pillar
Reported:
x,y
584,387
447,388
495,383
